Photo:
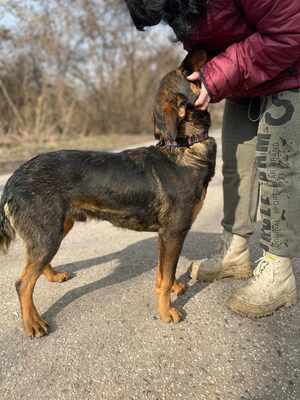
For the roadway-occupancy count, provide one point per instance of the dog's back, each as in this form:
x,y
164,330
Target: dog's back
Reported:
x,y
135,189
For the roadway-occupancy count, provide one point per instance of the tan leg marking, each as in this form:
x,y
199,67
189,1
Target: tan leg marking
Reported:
x,y
178,288
54,276
34,325
169,250
68,225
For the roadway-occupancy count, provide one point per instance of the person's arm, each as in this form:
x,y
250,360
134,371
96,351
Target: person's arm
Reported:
x,y
274,47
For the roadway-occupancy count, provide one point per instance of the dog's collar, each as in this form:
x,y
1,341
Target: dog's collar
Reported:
x,y
186,141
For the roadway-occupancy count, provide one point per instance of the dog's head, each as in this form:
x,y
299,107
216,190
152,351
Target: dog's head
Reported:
x,y
175,98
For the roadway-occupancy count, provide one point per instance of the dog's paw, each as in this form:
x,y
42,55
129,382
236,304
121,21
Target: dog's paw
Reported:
x,y
35,327
172,315
178,288
59,277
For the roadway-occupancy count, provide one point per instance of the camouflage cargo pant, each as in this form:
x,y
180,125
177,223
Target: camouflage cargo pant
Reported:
x,y
261,158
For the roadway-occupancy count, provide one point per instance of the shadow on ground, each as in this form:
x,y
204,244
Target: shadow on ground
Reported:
x,y
130,266
259,360
278,333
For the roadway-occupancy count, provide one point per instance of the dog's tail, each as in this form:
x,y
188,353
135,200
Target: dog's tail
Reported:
x,y
7,232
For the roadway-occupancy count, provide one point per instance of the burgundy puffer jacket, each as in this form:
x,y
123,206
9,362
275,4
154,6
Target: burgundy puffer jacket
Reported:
x,y
258,47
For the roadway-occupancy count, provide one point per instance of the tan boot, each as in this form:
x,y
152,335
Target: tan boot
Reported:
x,y
231,261
272,287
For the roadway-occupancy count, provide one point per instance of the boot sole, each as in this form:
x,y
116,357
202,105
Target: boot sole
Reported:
x,y
241,272
254,312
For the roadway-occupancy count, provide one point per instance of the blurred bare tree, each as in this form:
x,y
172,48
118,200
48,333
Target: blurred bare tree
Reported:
x,y
70,67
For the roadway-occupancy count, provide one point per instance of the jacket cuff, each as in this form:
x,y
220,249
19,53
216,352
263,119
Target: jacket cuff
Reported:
x,y
204,82
209,86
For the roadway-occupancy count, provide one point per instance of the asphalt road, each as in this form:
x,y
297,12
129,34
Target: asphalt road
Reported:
x,y
106,342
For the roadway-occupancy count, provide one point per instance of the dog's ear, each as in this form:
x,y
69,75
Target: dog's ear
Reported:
x,y
171,120
175,113
193,62
165,122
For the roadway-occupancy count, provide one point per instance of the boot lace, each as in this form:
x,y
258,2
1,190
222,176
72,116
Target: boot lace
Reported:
x,y
262,263
223,246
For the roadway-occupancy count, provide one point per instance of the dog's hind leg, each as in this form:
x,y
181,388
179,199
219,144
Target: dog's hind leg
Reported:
x,y
39,221
39,255
170,248
42,243
48,271
33,324
54,276
68,225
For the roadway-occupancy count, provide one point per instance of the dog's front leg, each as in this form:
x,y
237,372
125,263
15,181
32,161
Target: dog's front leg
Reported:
x,y
169,250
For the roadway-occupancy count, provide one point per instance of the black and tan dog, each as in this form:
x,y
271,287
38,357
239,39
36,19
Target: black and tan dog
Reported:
x,y
158,188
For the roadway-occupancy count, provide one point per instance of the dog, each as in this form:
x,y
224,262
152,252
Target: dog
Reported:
x,y
156,189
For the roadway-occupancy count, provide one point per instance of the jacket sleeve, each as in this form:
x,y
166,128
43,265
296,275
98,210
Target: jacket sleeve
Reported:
x,y
272,48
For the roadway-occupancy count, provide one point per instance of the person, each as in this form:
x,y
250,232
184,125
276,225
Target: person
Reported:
x,y
256,68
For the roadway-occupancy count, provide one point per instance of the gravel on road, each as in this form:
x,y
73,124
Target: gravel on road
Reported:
x,y
106,342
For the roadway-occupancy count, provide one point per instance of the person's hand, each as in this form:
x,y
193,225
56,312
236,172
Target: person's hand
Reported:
x,y
204,98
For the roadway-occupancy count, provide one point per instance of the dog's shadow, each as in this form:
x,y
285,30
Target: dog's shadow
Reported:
x,y
197,245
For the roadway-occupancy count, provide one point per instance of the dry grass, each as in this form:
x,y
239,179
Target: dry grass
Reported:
x,y
12,155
